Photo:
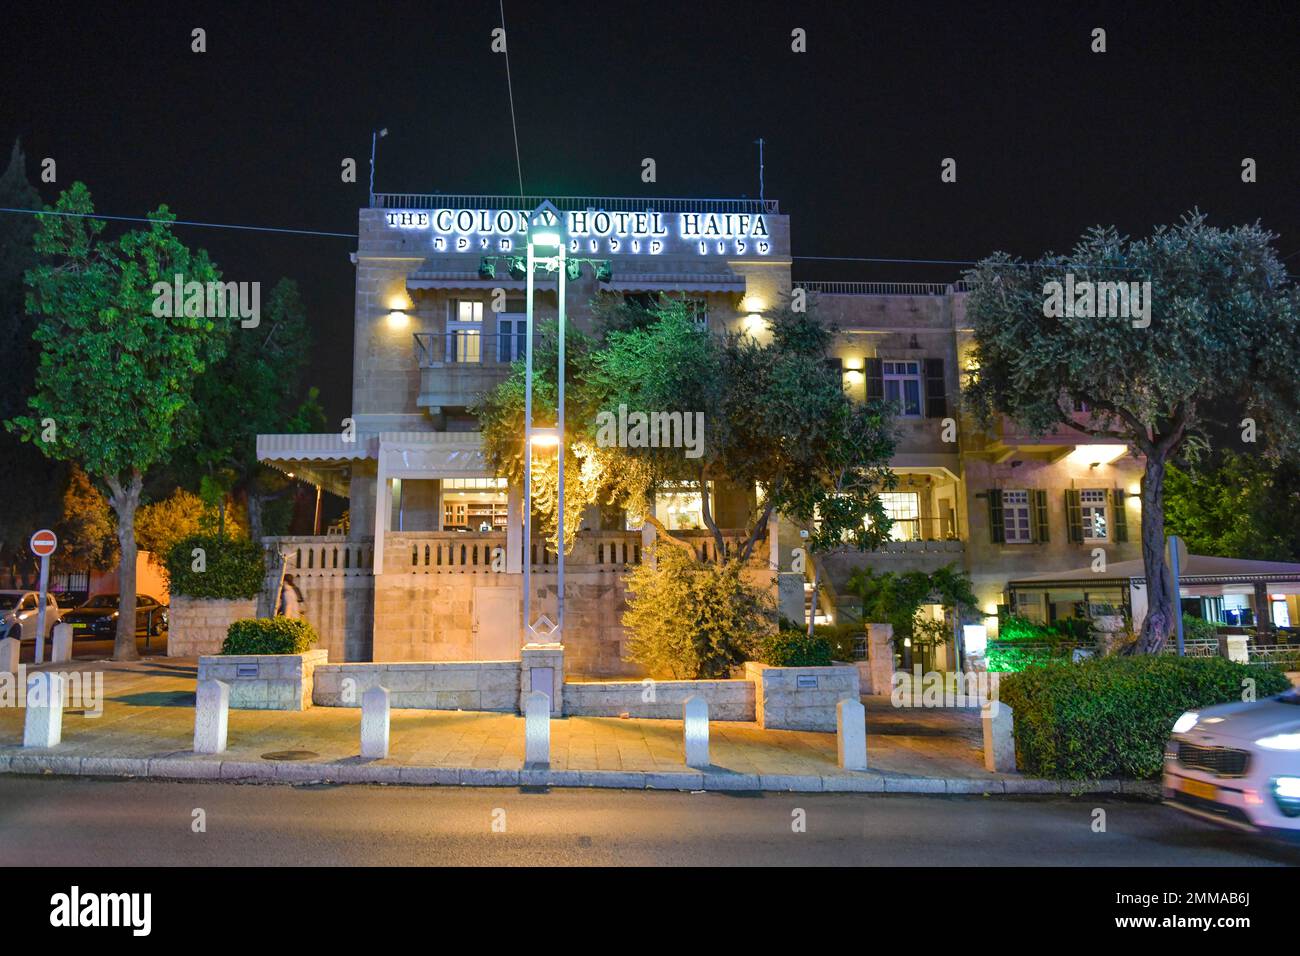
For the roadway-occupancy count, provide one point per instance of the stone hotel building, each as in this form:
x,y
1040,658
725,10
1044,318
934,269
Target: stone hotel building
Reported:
x,y
412,576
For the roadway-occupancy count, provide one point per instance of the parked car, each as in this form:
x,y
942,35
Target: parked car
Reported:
x,y
18,614
97,618
1239,765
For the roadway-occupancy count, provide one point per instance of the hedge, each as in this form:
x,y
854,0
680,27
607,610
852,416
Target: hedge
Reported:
x,y
232,568
791,648
269,635
1110,717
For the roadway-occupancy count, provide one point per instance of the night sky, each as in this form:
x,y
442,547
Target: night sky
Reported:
x,y
1049,137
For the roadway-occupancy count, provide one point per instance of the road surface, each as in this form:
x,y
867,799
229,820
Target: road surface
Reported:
x,y
84,822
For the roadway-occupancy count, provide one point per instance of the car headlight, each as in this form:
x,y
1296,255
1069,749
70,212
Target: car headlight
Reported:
x,y
1286,792
1281,742
1186,722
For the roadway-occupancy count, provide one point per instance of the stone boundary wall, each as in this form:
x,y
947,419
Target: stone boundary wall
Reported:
x,y
266,681
781,703
429,685
197,626
728,699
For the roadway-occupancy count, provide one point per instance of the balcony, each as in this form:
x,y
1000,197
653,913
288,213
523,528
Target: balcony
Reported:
x,y
457,367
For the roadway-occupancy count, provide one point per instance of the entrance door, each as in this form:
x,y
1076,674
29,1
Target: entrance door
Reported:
x,y
497,624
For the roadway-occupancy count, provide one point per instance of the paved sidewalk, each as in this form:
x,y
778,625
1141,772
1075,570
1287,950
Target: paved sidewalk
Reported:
x,y
147,725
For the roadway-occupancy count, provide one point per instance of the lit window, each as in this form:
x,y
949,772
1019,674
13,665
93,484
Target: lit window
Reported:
x,y
904,510
902,382
1093,502
465,332
1015,517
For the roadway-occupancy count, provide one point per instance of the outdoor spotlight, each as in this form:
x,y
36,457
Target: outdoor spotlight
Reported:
x,y
573,269
545,438
487,268
518,267
544,226
604,271
398,320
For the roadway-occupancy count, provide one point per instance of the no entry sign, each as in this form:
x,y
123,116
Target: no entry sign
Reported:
x,y
43,543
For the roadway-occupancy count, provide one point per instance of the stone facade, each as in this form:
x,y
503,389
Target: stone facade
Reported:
x,y
265,681
197,626
477,685
727,699
800,698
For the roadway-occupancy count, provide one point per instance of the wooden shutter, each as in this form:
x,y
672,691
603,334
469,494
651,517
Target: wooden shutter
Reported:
x,y
997,529
1040,516
875,374
1118,498
936,389
1074,515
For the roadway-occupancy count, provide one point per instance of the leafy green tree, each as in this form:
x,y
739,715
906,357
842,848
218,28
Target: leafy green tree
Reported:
x,y
688,620
1245,506
32,483
896,598
87,535
1220,343
116,381
255,389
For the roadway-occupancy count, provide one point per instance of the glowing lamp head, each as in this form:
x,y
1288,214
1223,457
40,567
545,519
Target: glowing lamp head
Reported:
x,y
545,226
545,438
398,320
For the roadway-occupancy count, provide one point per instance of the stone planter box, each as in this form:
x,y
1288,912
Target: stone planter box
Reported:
x,y
801,698
197,626
727,699
431,685
265,681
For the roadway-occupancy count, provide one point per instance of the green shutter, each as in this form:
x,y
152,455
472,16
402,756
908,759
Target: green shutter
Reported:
x,y
875,374
997,530
1074,515
936,389
1119,497
1040,516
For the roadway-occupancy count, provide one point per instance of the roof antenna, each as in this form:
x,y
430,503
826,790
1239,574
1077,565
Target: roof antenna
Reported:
x,y
759,143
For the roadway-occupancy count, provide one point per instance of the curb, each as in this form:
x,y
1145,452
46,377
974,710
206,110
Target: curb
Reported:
x,y
355,770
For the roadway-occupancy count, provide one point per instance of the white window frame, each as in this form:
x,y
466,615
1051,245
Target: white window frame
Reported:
x,y
1017,523
511,345
900,372
894,504
1094,502
464,340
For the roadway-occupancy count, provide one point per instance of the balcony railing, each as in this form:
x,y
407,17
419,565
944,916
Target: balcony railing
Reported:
x,y
466,347
575,203
882,288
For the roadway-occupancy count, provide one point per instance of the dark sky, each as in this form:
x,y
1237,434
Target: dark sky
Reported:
x,y
1049,138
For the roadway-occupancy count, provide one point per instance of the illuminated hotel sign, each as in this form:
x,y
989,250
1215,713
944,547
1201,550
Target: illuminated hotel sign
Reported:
x,y
595,231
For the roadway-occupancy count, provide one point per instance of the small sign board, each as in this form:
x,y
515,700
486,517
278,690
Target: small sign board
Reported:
x,y
245,670
807,681
43,543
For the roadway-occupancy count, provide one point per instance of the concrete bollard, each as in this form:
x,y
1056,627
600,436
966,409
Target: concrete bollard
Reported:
x,y
537,729
62,649
211,716
9,650
43,725
851,734
695,728
374,723
999,737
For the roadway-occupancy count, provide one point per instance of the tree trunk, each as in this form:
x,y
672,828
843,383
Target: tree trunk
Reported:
x,y
125,501
1160,610
706,511
254,502
817,580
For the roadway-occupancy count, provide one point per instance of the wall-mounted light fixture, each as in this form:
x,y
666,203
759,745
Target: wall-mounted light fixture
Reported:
x,y
398,320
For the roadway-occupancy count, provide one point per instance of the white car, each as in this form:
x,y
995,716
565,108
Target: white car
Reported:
x,y
18,614
1239,765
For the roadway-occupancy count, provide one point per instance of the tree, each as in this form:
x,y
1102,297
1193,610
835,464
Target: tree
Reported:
x,y
688,620
1219,344
1245,506
255,389
32,482
87,535
116,381
160,524
896,598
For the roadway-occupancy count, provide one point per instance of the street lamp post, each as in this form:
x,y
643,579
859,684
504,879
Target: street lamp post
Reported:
x,y
375,137
544,232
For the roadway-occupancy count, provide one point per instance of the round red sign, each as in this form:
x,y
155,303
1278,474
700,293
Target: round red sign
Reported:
x,y
43,543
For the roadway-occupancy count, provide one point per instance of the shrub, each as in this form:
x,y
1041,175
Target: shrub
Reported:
x,y
792,648
843,638
233,568
1199,629
269,635
688,620
1110,717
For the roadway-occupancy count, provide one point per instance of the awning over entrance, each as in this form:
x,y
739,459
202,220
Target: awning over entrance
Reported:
x,y
1198,569
322,459
676,282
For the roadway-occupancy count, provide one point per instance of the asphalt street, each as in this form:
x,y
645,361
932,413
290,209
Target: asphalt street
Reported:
x,y
89,822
